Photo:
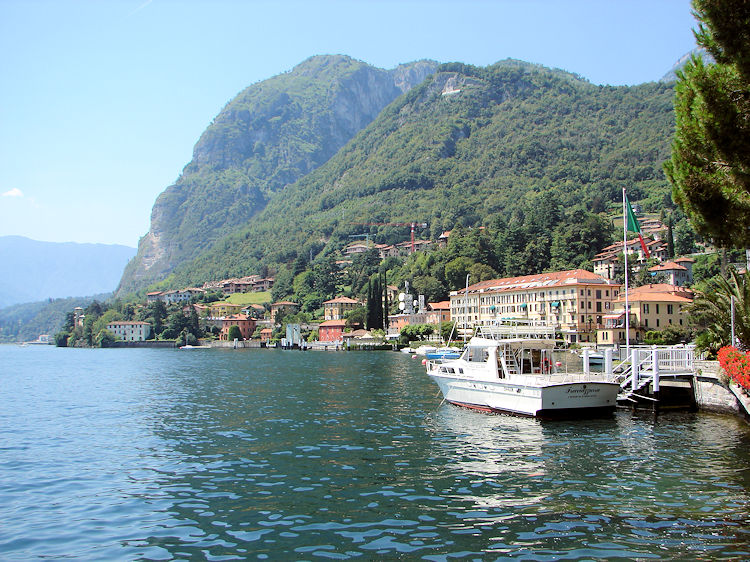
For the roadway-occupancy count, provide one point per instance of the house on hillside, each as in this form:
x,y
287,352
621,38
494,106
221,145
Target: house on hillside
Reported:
x,y
338,308
357,248
677,272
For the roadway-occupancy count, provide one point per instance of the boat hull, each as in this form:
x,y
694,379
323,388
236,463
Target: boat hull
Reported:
x,y
568,400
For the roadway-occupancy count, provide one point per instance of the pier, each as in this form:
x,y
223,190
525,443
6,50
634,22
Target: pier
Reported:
x,y
656,377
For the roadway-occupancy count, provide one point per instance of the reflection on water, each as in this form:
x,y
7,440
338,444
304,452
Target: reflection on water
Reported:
x,y
224,454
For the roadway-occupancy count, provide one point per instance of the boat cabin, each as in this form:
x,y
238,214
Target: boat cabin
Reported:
x,y
509,357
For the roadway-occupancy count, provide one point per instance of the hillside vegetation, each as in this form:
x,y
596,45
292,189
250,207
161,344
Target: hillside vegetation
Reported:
x,y
536,155
270,135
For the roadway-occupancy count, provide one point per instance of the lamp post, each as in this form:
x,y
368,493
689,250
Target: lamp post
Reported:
x,y
731,306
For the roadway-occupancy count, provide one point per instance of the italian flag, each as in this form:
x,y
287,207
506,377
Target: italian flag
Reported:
x,y
633,225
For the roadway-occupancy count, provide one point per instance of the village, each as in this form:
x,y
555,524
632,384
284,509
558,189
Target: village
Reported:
x,y
584,307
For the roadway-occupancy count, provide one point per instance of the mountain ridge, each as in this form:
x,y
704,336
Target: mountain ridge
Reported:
x,y
268,136
469,145
34,270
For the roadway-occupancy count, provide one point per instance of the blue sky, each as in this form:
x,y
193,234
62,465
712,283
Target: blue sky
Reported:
x,y
102,101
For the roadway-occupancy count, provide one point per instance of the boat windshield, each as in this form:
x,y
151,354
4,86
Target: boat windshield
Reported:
x,y
476,354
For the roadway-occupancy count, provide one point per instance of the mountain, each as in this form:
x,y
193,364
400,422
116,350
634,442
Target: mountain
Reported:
x,y
700,52
512,144
269,136
33,271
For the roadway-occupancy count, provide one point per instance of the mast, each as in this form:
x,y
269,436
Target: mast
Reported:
x,y
625,253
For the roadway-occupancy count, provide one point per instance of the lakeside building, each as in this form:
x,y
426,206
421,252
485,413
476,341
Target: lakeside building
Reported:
x,y
434,314
331,330
130,331
652,307
265,335
244,323
338,308
573,301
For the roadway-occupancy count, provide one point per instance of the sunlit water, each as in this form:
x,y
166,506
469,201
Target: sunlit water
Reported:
x,y
254,454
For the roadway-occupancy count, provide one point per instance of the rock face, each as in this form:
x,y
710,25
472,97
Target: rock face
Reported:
x,y
270,135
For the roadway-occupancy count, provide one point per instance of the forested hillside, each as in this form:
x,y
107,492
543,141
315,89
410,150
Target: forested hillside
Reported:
x,y
270,135
536,155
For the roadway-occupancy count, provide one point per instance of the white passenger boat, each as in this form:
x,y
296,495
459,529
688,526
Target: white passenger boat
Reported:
x,y
510,368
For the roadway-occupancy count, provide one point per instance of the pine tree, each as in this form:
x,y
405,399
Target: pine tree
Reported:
x,y
710,164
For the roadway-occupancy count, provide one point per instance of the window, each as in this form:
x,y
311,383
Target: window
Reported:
x,y
670,309
598,293
645,308
657,308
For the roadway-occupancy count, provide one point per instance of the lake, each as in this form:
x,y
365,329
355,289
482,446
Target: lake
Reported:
x,y
146,454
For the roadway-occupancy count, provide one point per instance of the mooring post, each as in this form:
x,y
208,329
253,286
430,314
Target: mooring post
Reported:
x,y
634,368
608,362
655,369
586,366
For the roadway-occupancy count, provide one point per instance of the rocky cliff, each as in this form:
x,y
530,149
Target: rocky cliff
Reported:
x,y
270,135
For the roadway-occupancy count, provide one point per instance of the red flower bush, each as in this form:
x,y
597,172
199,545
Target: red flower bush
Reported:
x,y
736,364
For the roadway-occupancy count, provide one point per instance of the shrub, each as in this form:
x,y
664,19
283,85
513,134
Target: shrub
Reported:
x,y
736,365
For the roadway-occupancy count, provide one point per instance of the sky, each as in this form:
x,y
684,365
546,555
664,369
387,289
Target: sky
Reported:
x,y
102,101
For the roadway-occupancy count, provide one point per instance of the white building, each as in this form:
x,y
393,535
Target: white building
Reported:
x,y
130,331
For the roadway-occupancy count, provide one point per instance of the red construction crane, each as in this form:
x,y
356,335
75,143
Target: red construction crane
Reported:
x,y
412,225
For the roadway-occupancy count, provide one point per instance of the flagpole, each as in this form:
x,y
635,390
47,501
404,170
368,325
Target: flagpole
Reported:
x,y
625,253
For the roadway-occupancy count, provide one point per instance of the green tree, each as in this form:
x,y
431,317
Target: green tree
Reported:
x,y
711,312
356,317
710,164
234,333
104,338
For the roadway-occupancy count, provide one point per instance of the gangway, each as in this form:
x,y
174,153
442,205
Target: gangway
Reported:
x,y
647,367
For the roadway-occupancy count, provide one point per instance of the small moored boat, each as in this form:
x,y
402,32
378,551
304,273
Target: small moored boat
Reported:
x,y
510,368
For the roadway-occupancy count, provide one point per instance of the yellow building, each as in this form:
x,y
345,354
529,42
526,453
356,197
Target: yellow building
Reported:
x,y
221,309
652,307
573,301
338,308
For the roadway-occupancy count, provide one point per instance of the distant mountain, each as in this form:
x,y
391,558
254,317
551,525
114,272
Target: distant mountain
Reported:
x,y
672,74
510,145
35,271
269,136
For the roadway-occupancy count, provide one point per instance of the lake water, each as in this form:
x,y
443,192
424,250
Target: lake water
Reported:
x,y
286,455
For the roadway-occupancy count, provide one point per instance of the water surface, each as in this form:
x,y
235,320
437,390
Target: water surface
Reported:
x,y
263,454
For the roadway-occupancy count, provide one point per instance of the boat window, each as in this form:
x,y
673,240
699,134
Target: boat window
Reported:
x,y
477,354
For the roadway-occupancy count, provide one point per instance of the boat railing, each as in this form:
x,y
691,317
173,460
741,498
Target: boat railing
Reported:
x,y
516,330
